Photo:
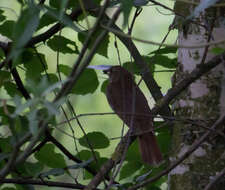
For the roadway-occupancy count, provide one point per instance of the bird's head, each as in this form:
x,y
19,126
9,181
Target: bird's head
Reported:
x,y
117,73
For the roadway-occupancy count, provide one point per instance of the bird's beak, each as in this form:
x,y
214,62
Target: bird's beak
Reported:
x,y
100,67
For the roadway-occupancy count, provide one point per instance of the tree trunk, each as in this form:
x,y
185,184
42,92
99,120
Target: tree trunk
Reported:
x,y
200,105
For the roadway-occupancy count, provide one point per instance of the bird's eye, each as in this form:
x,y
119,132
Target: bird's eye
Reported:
x,y
107,71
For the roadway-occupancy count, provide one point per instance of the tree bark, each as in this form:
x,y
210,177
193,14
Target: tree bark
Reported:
x,y
200,105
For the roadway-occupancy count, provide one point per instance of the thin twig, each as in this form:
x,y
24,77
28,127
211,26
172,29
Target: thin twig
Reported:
x,y
42,183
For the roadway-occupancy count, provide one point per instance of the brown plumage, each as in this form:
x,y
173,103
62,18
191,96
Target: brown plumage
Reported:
x,y
130,104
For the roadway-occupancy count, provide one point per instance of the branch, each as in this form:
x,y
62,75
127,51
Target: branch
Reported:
x,y
43,183
68,154
73,77
106,167
193,147
88,5
190,78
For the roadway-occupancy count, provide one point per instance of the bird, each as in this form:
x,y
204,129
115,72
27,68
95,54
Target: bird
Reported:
x,y
129,103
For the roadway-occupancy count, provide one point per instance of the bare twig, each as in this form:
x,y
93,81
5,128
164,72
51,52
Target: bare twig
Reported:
x,y
10,164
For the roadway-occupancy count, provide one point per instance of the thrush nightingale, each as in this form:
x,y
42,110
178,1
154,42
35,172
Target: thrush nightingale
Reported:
x,y
130,104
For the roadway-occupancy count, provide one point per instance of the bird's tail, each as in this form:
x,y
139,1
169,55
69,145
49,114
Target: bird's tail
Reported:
x,y
149,149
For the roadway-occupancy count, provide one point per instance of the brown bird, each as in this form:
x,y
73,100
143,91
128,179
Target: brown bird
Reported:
x,y
130,104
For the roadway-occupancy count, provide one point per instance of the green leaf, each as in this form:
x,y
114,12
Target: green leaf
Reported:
x,y
24,29
133,152
217,50
51,77
97,140
164,139
87,83
35,64
133,68
21,126
42,86
2,17
46,20
49,157
6,29
129,169
61,44
165,50
30,169
87,154
8,188
5,145
4,77
126,9
164,61
64,19
65,69
11,89
152,171
104,85
103,47
54,4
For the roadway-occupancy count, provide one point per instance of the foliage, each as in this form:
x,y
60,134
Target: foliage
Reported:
x,y
35,98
